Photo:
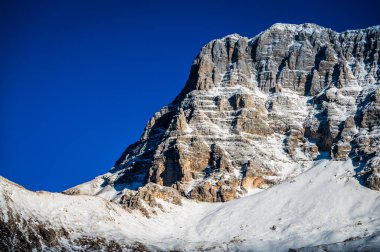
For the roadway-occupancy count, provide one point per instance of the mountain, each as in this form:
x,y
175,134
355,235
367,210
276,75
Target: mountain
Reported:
x,y
255,112
280,132
325,205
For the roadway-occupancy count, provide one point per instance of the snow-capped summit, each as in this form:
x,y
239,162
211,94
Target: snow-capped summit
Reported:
x,y
295,27
280,131
255,112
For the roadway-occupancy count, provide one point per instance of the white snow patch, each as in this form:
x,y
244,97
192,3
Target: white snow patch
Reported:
x,y
321,206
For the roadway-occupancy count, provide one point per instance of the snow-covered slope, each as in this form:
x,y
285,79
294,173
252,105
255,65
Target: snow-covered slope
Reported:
x,y
250,129
325,205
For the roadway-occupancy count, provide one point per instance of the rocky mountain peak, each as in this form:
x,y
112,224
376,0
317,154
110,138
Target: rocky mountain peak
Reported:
x,y
255,112
308,27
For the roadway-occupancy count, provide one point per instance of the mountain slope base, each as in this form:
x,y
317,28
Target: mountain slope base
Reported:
x,y
325,205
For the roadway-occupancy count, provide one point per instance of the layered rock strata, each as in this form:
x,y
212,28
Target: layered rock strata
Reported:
x,y
257,111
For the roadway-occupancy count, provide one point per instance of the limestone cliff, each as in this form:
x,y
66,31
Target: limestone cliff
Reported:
x,y
257,111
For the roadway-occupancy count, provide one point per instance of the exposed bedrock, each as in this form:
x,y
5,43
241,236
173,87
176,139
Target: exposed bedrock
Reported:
x,y
257,111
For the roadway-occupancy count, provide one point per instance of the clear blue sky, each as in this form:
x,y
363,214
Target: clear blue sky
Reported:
x,y
79,79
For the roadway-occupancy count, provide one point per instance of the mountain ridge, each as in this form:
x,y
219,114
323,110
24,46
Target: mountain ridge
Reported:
x,y
273,143
302,89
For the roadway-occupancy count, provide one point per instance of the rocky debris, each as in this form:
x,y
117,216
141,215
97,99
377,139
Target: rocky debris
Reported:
x,y
292,142
19,233
147,196
254,176
255,112
353,243
208,192
341,150
43,221
371,113
373,168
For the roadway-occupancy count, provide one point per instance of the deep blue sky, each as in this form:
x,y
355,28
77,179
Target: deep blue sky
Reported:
x,y
79,79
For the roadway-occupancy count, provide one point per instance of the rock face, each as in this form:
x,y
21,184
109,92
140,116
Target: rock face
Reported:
x,y
257,111
373,167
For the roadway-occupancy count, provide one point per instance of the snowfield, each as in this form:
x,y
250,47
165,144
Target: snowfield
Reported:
x,y
325,205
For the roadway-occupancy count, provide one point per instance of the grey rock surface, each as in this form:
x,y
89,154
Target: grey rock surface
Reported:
x,y
255,112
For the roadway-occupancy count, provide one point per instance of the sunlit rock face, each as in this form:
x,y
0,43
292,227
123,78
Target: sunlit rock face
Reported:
x,y
257,111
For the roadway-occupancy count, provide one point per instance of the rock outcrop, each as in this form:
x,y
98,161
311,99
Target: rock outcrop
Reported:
x,y
373,169
257,111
